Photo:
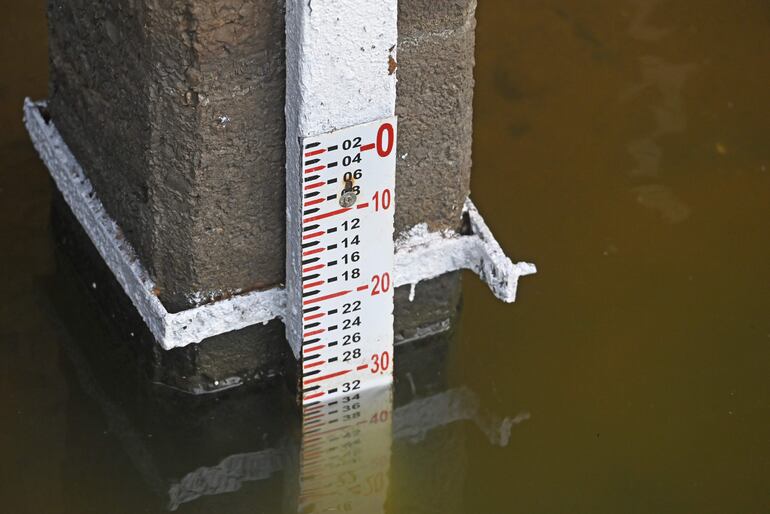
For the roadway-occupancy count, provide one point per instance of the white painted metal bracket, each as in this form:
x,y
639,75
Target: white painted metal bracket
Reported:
x,y
171,330
420,254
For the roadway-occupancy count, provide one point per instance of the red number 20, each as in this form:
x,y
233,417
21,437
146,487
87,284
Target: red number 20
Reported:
x,y
381,284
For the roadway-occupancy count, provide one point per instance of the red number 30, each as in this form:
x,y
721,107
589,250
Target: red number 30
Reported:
x,y
380,362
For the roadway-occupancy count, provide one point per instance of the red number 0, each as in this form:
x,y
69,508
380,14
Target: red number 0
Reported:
x,y
383,150
381,284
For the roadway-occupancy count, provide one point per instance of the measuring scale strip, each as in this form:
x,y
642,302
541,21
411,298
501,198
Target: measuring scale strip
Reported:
x,y
348,181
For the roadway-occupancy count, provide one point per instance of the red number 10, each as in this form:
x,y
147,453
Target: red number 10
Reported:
x,y
382,200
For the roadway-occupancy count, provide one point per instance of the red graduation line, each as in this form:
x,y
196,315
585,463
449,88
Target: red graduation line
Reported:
x,y
317,168
315,152
314,459
316,395
314,185
314,332
314,202
314,316
314,495
313,268
313,284
311,236
313,348
341,427
314,251
325,215
363,287
311,469
326,377
327,297
363,205
370,146
312,365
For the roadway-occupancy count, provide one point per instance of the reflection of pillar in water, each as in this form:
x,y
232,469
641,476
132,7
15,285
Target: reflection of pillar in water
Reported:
x,y
345,454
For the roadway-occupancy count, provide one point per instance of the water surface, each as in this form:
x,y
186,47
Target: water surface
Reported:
x,y
620,145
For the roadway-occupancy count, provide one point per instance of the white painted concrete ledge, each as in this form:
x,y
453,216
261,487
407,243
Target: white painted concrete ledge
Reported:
x,y
420,255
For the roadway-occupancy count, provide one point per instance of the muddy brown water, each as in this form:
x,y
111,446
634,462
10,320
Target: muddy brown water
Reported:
x,y
623,146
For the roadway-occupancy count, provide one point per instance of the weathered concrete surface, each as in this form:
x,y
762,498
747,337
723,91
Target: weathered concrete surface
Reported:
x,y
431,307
175,110
434,104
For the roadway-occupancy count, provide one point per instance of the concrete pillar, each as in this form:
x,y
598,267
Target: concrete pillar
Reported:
x,y
436,42
175,111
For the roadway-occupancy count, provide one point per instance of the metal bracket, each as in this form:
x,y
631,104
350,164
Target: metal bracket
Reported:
x,y
420,254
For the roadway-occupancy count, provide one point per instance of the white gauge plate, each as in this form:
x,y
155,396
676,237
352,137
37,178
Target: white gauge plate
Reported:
x,y
347,260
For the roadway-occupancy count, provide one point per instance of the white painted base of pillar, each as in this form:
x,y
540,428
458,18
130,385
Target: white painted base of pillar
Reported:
x,y
420,255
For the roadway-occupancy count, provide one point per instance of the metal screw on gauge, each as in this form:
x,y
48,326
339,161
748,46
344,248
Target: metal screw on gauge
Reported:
x,y
348,198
